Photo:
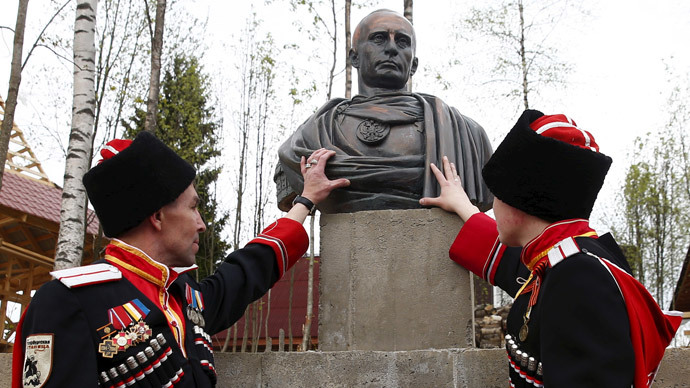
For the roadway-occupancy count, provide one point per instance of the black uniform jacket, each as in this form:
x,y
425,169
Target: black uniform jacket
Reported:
x,y
578,331
76,321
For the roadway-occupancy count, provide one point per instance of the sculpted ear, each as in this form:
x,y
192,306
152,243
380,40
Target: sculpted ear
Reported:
x,y
354,58
413,68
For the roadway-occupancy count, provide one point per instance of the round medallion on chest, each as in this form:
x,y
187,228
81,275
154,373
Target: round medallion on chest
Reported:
x,y
372,132
524,331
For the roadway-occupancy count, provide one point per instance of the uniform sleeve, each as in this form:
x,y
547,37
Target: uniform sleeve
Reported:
x,y
585,335
478,250
289,242
248,273
58,334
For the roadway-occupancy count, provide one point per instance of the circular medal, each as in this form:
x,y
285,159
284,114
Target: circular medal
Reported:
x,y
122,340
523,332
372,132
192,315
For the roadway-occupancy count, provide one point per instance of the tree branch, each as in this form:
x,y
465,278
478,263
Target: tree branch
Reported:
x,y
38,38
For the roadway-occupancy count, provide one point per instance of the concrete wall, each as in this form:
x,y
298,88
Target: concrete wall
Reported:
x,y
456,368
386,282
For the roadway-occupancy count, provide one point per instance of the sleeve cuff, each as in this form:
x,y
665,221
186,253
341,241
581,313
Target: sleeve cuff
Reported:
x,y
288,239
477,247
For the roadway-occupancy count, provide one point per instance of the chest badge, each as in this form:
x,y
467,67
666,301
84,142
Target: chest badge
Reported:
x,y
372,132
126,328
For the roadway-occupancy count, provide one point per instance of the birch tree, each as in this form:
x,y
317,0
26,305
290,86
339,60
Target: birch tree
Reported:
x,y
407,12
156,49
69,248
15,80
348,47
407,9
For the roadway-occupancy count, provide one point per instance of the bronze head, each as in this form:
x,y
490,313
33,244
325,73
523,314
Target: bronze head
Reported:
x,y
383,52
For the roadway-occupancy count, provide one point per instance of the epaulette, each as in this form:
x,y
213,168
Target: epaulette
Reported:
x,y
87,275
562,250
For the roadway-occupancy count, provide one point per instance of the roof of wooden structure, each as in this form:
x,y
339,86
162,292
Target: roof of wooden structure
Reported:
x,y
29,223
681,296
20,157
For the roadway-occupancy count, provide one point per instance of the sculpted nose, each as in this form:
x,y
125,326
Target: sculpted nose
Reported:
x,y
391,47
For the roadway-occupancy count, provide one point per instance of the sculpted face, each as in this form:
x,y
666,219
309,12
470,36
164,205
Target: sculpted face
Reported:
x,y
383,51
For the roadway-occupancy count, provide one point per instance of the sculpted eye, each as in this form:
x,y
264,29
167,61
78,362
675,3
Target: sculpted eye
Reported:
x,y
378,38
403,42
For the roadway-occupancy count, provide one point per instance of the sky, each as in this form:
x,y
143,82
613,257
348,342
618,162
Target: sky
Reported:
x,y
618,52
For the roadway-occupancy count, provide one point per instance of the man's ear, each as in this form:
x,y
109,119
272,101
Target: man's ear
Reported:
x,y
354,58
156,220
413,68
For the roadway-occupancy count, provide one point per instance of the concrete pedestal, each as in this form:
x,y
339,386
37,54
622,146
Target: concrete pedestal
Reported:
x,y
386,282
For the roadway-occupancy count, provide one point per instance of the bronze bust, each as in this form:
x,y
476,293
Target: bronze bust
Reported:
x,y
385,137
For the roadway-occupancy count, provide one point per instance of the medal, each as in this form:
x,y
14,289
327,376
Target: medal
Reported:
x,y
192,315
122,340
107,348
372,132
523,332
140,331
126,328
195,306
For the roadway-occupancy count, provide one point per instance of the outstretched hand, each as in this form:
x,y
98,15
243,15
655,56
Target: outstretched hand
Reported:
x,y
453,197
317,186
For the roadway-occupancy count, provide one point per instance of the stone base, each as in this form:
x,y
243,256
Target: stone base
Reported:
x,y
458,368
386,282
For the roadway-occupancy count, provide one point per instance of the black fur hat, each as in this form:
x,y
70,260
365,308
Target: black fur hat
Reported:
x,y
547,167
134,180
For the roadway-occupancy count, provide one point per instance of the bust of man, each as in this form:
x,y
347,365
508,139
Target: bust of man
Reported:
x,y
385,137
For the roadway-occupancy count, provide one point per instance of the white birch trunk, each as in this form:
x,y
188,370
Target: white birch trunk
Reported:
x,y
306,329
70,245
407,5
154,82
348,46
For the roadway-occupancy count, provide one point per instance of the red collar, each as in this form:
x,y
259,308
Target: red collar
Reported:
x,y
138,262
540,246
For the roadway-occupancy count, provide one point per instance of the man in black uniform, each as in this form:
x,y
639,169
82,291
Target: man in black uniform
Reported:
x,y
137,318
579,318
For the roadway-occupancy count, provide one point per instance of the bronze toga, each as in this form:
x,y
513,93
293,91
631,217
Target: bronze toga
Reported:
x,y
384,145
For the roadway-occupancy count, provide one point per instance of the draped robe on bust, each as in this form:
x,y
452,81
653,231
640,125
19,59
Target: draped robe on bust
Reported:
x,y
390,180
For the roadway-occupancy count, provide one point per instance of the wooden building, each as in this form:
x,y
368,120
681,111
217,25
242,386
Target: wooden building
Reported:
x,y
275,313
29,224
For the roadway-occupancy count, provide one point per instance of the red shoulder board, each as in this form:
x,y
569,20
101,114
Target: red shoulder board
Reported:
x,y
87,275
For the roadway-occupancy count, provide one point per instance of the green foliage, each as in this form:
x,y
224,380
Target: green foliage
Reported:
x,y
656,212
187,124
